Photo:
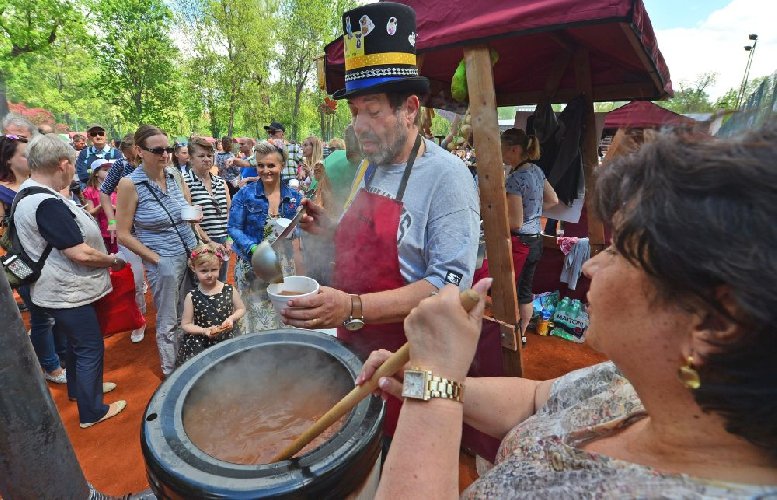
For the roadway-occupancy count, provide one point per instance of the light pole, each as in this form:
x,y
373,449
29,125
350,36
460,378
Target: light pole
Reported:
x,y
751,51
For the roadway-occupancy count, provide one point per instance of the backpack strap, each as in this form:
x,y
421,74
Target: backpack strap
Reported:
x,y
13,236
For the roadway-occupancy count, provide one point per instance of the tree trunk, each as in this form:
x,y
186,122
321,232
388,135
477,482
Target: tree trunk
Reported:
x,y
297,94
231,127
138,98
322,118
214,126
3,96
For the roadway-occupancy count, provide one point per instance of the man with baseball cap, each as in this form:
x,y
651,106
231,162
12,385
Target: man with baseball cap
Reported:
x,y
276,134
99,150
411,225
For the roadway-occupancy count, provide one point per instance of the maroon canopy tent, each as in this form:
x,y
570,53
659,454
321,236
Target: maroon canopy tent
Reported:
x,y
531,38
645,114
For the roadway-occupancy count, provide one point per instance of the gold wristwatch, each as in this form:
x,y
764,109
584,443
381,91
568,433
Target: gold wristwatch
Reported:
x,y
356,320
424,385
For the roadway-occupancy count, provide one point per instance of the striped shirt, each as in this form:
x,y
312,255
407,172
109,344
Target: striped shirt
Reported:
x,y
152,223
121,168
214,207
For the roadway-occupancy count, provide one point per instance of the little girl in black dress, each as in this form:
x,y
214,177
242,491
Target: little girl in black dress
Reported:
x,y
211,309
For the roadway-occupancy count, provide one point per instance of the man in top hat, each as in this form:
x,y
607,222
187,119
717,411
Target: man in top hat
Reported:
x,y
99,150
411,225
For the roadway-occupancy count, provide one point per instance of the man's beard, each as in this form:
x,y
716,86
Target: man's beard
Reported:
x,y
385,155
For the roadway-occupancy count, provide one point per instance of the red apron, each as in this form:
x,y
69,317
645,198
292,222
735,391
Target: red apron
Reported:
x,y
366,261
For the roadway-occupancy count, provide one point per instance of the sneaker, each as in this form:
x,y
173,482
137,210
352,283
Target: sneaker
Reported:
x,y
137,335
57,379
114,409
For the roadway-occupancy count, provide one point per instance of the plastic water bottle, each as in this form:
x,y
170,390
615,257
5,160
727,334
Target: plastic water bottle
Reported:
x,y
563,307
542,326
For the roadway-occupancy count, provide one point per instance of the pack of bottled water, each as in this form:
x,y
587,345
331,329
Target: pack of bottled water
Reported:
x,y
570,320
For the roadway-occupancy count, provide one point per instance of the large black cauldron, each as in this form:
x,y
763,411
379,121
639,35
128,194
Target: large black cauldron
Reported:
x,y
178,469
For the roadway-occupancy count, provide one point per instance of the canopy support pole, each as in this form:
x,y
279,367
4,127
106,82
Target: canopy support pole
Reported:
x,y
589,149
493,201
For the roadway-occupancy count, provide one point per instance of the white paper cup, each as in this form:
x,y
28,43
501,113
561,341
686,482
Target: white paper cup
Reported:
x,y
302,284
279,225
191,212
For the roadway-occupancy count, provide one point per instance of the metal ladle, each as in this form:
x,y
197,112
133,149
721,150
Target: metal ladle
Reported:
x,y
265,261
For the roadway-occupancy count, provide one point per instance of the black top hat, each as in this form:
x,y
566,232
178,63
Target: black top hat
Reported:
x,y
274,126
379,48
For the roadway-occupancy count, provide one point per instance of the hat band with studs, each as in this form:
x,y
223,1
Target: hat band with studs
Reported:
x,y
369,73
380,60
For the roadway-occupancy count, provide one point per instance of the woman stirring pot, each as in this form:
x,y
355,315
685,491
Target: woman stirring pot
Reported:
x,y
255,208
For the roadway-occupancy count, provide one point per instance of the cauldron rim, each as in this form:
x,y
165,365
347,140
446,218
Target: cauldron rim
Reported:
x,y
165,434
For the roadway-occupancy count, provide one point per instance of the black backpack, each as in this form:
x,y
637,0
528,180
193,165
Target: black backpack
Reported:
x,y
19,267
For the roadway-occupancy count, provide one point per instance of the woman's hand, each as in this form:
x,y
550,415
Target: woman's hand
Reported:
x,y
389,386
443,337
227,324
118,263
154,259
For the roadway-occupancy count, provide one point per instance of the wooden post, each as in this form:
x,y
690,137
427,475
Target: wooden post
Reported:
x,y
589,149
493,200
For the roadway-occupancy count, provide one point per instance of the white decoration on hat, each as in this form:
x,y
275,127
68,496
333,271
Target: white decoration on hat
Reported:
x,y
411,38
366,25
391,26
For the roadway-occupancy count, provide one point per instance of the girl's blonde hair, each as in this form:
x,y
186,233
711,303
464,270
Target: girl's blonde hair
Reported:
x,y
317,154
204,253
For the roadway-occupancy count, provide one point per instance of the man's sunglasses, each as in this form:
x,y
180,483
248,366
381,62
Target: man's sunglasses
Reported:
x,y
101,133
159,151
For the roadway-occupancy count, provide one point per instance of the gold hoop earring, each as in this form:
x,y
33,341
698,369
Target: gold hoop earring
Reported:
x,y
688,375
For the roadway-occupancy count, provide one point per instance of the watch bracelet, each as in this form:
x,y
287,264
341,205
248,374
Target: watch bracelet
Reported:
x,y
442,388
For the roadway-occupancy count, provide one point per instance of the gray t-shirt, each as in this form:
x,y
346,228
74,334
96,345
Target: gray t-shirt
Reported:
x,y
439,228
528,182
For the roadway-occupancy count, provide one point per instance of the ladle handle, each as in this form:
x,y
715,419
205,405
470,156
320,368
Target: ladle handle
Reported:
x,y
395,362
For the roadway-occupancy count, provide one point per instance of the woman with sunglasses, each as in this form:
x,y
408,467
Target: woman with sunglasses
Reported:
x,y
99,150
150,200
48,344
255,208
210,192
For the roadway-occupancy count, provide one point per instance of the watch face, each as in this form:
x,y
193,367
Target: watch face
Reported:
x,y
413,386
353,324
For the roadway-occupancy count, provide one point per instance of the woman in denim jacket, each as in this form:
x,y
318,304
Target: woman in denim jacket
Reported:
x,y
255,208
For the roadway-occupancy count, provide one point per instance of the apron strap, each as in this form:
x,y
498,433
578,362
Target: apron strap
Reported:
x,y
405,175
408,168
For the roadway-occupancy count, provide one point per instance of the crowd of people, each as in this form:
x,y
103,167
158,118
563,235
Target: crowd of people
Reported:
x,y
682,302
133,194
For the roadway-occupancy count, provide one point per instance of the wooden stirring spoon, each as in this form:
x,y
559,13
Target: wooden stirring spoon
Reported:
x,y
395,362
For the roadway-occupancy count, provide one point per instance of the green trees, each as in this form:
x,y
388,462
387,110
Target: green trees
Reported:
x,y
137,60
30,28
212,67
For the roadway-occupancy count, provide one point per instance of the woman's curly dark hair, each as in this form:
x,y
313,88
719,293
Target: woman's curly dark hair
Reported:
x,y
698,216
